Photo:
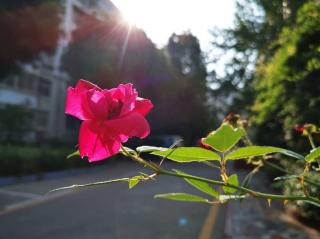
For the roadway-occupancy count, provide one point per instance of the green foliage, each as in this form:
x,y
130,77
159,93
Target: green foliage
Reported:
x,y
187,88
233,180
201,186
250,41
314,155
293,154
292,186
224,138
287,177
37,32
24,160
188,154
74,154
134,181
286,86
253,151
182,197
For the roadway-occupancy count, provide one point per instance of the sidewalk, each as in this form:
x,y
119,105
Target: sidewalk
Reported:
x,y
254,218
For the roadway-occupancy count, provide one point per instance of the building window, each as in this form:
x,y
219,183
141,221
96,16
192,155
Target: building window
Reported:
x,y
26,82
9,81
44,87
41,118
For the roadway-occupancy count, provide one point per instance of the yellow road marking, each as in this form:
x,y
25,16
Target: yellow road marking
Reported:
x,y
207,227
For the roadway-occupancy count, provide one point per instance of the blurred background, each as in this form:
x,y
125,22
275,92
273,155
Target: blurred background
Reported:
x,y
196,60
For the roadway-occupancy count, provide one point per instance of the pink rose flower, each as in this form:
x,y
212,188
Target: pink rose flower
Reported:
x,y
110,117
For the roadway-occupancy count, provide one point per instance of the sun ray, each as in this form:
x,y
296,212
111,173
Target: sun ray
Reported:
x,y
124,47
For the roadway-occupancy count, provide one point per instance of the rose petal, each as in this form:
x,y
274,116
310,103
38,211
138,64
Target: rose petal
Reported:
x,y
127,95
77,99
86,85
96,145
143,106
132,125
76,104
98,104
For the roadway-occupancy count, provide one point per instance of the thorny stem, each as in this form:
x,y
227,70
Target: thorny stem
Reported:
x,y
307,166
303,179
223,171
160,171
245,190
275,166
247,140
139,160
311,141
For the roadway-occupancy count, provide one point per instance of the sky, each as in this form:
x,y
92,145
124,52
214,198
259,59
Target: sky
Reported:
x,y
160,18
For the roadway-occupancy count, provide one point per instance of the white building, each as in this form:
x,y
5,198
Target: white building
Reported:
x,y
41,91
41,85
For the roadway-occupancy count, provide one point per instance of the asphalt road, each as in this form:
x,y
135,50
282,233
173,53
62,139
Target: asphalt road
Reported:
x,y
108,212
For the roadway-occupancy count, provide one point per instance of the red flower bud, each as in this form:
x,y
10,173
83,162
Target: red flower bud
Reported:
x,y
299,128
201,144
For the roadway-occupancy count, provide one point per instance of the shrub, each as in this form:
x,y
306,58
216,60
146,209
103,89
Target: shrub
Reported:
x,y
23,160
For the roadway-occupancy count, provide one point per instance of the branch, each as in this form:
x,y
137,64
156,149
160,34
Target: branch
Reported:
x,y
77,186
158,170
253,193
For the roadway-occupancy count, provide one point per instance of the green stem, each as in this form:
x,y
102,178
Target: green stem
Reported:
x,y
159,171
244,190
76,186
249,143
247,140
288,172
140,160
311,141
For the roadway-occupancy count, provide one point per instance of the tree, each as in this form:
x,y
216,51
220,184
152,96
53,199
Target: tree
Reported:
x,y
37,32
187,90
284,83
252,41
288,85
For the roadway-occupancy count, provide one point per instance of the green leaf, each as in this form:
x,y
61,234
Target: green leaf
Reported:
x,y
224,138
202,186
188,154
134,181
314,155
233,180
182,197
287,177
148,149
74,154
312,203
292,154
252,151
